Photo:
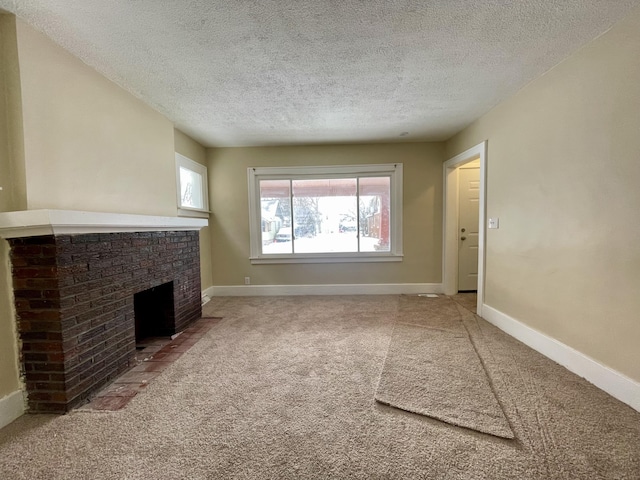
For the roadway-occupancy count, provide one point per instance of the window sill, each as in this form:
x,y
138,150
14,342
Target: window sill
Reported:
x,y
328,258
183,212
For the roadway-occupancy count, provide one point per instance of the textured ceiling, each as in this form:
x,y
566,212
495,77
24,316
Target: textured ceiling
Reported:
x,y
273,72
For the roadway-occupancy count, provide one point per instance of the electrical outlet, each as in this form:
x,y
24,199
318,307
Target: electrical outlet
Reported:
x,y
247,280
494,222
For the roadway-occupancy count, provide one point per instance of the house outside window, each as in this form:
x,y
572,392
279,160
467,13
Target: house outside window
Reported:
x,y
346,213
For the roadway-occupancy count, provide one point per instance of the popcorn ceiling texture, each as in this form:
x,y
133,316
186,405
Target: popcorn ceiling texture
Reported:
x,y
281,72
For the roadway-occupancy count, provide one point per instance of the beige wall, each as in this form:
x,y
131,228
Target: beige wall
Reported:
x,y
70,139
422,211
13,195
89,145
564,179
187,146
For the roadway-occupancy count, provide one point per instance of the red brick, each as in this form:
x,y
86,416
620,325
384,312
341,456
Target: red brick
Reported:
x,y
27,294
39,315
55,397
108,403
18,250
97,277
56,357
46,346
43,304
35,272
35,357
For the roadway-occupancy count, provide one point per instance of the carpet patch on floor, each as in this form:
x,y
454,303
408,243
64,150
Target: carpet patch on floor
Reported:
x,y
436,372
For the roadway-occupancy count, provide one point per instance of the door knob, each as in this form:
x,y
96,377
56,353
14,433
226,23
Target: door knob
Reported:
x,y
463,238
463,230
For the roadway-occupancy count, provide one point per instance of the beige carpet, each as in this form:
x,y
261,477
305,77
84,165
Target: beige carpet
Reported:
x,y
436,372
284,388
468,300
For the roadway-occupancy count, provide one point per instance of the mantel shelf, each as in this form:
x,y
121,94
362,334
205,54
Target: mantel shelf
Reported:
x,y
30,223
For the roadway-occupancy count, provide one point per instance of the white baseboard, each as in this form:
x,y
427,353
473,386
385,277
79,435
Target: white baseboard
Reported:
x,y
346,289
11,407
614,383
207,293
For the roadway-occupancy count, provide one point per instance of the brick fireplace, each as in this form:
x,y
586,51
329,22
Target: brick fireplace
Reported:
x,y
74,290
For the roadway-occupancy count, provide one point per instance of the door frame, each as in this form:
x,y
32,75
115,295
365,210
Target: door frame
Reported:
x,y
450,220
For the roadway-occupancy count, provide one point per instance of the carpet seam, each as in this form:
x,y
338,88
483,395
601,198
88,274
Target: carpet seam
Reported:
x,y
490,380
541,433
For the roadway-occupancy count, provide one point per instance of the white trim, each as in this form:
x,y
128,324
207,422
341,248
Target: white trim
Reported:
x,y
255,174
255,212
208,291
188,212
11,407
322,170
329,258
30,223
614,383
206,295
450,224
347,289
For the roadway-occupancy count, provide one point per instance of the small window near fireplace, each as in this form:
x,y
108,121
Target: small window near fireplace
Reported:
x,y
193,196
154,313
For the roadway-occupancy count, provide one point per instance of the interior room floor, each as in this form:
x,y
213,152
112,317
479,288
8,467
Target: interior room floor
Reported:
x,y
154,355
468,300
283,387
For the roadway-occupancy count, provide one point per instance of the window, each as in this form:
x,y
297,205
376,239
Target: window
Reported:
x,y
193,196
350,213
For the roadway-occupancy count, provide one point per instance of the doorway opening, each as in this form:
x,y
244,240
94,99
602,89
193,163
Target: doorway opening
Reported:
x,y
468,225
460,247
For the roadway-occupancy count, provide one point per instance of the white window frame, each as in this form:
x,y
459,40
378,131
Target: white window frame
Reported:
x,y
393,170
198,169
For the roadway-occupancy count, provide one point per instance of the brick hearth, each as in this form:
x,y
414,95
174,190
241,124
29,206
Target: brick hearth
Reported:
x,y
75,306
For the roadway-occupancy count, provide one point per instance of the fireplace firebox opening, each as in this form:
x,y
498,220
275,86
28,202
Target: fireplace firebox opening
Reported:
x,y
154,313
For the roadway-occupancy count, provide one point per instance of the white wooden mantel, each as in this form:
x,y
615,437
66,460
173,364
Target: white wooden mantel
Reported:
x,y
31,223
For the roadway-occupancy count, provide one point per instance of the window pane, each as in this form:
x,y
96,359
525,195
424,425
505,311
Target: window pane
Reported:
x,y
190,189
325,215
375,216
275,216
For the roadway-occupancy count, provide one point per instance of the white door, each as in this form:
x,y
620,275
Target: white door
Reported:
x,y
468,211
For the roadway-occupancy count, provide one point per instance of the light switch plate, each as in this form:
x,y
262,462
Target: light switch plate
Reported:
x,y
494,222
